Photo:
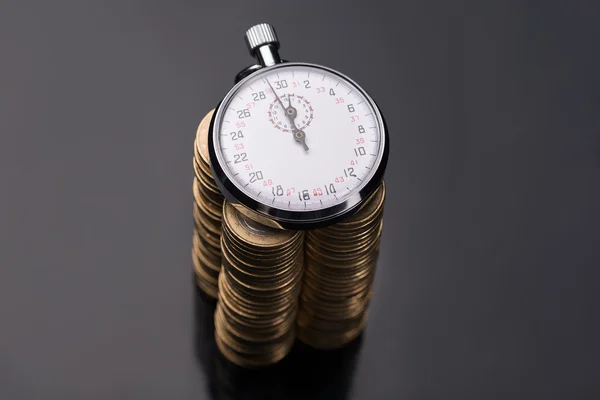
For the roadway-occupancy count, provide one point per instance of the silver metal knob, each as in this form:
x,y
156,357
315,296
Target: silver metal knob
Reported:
x,y
263,44
259,35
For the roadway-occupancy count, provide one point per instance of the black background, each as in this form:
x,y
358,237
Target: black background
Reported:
x,y
488,278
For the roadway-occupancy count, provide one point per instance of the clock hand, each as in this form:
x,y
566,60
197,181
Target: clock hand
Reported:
x,y
286,110
275,94
300,136
290,113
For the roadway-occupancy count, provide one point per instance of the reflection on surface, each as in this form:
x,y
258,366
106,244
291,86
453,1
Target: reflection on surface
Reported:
x,y
304,374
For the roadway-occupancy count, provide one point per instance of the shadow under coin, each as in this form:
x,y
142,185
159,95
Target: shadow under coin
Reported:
x,y
204,336
305,373
322,374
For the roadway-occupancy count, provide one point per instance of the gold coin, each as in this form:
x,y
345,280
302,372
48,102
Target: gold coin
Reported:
x,y
206,284
270,294
335,308
338,238
320,248
209,222
208,211
327,340
246,329
247,338
203,267
338,276
258,270
259,262
324,287
243,360
211,252
200,250
204,167
253,215
260,283
211,199
208,237
206,252
255,314
207,184
258,287
202,136
208,289
251,347
245,304
209,247
343,264
204,174
370,208
253,233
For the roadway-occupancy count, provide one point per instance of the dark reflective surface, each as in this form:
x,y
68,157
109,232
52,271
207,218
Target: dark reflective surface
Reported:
x,y
487,283
305,373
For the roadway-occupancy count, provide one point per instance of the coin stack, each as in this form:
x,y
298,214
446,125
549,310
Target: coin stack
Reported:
x,y
208,208
258,290
338,276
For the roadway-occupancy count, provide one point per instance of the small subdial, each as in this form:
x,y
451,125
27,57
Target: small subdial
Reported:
x,y
304,112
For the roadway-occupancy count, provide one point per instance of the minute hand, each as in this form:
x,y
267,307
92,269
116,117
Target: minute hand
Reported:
x,y
277,97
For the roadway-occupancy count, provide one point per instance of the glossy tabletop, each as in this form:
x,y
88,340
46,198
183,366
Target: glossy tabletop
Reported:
x,y
487,285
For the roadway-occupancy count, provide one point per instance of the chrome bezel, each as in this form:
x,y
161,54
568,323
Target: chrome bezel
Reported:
x,y
296,219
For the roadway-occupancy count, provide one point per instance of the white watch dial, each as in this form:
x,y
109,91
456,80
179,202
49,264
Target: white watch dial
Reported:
x,y
298,137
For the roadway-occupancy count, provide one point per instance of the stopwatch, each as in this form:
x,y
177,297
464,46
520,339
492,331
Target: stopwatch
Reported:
x,y
298,144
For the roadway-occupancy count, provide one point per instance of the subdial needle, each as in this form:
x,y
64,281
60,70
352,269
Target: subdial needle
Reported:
x,y
291,112
300,136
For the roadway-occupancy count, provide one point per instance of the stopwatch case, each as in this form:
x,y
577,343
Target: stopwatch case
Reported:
x,y
288,219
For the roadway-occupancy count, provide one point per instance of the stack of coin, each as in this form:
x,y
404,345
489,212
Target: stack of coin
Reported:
x,y
258,290
208,208
340,263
